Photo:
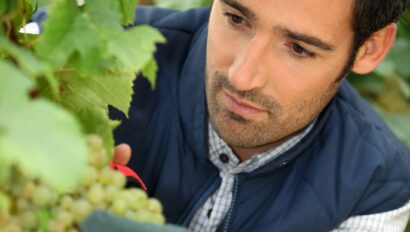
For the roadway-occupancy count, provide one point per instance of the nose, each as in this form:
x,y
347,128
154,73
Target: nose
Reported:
x,y
248,70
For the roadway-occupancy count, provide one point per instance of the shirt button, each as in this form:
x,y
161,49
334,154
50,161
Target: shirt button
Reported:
x,y
224,158
208,214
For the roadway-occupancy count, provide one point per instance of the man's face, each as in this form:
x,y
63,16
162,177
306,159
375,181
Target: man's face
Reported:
x,y
272,66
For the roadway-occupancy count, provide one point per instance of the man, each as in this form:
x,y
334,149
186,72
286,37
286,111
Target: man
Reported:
x,y
252,127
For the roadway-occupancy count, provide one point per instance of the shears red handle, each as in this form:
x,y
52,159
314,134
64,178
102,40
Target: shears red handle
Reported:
x,y
132,177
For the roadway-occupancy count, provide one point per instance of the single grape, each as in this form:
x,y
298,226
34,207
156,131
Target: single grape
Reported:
x,y
105,176
94,142
111,193
136,198
42,196
91,176
66,202
119,206
64,218
28,189
23,204
98,158
154,205
118,179
80,209
95,194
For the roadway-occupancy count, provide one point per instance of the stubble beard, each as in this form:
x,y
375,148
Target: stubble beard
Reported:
x,y
234,129
241,132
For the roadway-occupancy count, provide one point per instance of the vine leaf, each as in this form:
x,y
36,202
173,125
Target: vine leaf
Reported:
x,y
97,92
41,137
91,40
128,11
89,99
30,64
150,72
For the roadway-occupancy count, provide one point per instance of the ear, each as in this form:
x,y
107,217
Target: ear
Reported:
x,y
374,49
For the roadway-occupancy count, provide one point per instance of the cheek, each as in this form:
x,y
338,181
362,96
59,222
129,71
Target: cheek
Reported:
x,y
220,54
295,89
222,45
306,78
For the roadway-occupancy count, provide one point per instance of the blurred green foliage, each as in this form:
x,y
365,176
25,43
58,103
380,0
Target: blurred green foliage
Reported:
x,y
182,4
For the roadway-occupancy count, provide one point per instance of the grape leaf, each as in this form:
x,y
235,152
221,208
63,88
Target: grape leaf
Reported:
x,y
28,125
92,40
94,29
57,43
89,98
98,92
128,11
114,124
71,29
32,66
134,47
150,72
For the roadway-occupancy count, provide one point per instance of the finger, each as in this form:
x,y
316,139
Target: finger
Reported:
x,y
122,154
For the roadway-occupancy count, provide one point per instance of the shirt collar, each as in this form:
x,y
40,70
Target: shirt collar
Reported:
x,y
218,147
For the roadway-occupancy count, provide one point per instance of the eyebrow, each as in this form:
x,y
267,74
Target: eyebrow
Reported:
x,y
308,39
241,8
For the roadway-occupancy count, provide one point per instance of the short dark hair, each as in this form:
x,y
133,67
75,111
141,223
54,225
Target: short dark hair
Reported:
x,y
370,16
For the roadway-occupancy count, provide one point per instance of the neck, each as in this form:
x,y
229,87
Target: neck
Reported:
x,y
245,153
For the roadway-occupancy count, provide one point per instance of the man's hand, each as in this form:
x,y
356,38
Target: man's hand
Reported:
x,y
122,154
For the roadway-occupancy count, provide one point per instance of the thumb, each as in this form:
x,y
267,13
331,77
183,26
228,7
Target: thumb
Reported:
x,y
122,154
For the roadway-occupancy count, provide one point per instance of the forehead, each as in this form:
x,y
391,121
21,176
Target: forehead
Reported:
x,y
327,19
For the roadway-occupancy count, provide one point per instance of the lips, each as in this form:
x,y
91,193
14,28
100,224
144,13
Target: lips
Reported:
x,y
241,108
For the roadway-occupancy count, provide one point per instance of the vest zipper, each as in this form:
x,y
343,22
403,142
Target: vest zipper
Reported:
x,y
185,220
232,207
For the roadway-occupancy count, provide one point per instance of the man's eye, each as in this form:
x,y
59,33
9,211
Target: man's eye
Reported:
x,y
300,52
235,20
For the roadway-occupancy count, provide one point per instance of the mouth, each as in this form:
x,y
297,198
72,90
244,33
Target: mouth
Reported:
x,y
240,107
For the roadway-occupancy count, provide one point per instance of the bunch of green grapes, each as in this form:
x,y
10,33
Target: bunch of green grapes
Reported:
x,y
34,206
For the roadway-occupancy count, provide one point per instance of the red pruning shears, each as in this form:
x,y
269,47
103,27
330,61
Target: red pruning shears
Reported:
x,y
133,180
